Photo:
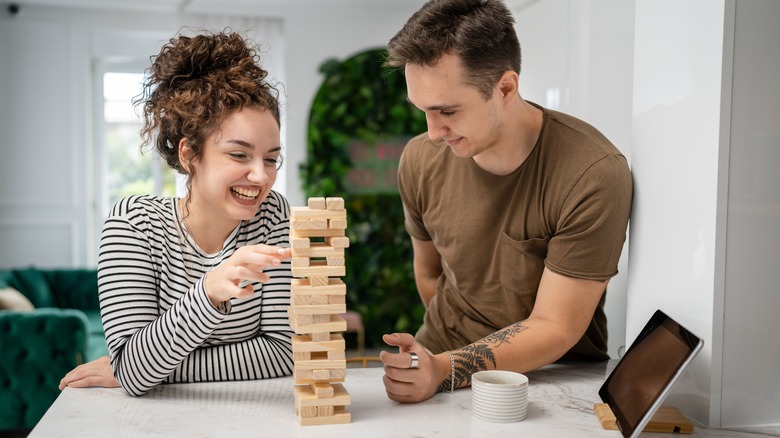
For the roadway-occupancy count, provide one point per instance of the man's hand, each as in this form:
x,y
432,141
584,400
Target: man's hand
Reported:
x,y
411,385
95,373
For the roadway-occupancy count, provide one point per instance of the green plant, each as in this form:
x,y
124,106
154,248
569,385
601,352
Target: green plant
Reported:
x,y
361,104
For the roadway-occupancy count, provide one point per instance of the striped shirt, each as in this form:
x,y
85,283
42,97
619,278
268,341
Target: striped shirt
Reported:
x,y
160,325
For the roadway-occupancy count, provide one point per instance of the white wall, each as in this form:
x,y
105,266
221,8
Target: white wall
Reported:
x,y
705,240
688,91
47,156
751,349
678,75
578,58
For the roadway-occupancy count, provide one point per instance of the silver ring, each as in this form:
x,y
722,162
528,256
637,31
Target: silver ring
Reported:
x,y
415,360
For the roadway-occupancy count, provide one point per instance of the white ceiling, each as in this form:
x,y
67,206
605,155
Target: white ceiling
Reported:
x,y
184,5
200,5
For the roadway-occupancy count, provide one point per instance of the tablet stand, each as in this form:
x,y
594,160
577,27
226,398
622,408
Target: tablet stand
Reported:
x,y
666,419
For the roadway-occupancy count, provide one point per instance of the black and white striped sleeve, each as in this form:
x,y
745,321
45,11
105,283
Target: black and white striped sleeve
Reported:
x,y
269,352
145,345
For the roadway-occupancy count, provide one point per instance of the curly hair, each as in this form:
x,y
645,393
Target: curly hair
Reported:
x,y
480,32
193,84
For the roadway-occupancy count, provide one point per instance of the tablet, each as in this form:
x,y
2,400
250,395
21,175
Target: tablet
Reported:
x,y
637,386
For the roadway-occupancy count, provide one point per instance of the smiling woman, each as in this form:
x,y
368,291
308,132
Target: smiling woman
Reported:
x,y
195,289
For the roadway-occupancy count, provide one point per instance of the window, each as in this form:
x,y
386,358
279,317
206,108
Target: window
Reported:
x,y
128,171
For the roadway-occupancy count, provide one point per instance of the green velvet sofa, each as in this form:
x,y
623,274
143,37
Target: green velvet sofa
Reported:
x,y
38,347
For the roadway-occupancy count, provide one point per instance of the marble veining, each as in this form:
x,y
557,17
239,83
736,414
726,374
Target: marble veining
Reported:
x,y
560,404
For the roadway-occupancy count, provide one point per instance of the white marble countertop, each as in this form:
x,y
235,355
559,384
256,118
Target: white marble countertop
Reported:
x,y
561,399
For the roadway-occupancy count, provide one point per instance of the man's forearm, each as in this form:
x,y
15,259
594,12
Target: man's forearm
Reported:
x,y
520,347
427,289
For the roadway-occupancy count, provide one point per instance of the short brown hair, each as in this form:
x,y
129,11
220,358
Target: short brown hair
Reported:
x,y
480,32
193,84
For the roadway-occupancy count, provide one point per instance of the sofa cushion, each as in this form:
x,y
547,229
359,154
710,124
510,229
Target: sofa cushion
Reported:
x,y
38,349
73,288
32,283
6,276
12,299
96,346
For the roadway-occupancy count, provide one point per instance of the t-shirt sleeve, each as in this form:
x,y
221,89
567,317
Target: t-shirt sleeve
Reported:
x,y
591,228
409,180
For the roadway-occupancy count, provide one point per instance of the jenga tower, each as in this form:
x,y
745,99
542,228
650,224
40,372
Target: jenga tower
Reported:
x,y
318,241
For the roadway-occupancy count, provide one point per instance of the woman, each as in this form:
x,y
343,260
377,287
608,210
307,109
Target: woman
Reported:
x,y
196,289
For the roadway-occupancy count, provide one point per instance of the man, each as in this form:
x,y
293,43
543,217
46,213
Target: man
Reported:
x,y
517,214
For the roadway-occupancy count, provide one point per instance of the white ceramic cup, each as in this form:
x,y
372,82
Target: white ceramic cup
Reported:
x,y
499,396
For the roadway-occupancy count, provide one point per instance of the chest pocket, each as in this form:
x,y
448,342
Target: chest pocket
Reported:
x,y
522,264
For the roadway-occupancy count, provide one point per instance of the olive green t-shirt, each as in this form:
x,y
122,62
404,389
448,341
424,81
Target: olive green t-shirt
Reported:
x,y
566,207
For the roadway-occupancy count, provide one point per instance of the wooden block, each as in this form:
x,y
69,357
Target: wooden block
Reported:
x,y
303,286
299,243
337,224
321,319
335,260
336,355
319,268
335,299
334,342
302,376
306,377
317,280
606,416
665,419
322,390
319,250
304,396
337,241
307,411
317,233
318,300
319,361
337,375
334,203
300,261
301,355
325,411
320,374
320,336
303,300
299,320
309,224
326,309
340,416
306,213
336,324
321,310
317,204
320,364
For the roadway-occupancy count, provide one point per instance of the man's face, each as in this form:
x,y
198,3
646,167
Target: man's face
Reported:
x,y
455,111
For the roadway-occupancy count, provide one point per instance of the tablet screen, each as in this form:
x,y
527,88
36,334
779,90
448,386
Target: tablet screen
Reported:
x,y
636,387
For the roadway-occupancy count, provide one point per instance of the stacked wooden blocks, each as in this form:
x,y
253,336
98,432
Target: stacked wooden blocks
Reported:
x,y
317,238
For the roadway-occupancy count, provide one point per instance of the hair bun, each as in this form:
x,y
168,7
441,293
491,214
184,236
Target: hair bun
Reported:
x,y
190,58
194,83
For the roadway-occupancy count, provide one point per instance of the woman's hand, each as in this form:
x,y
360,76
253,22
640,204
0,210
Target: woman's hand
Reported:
x,y
233,277
95,373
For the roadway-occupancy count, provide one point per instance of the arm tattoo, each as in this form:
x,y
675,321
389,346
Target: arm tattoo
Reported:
x,y
475,357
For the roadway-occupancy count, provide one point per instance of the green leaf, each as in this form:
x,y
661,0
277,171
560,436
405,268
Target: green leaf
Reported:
x,y
359,100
